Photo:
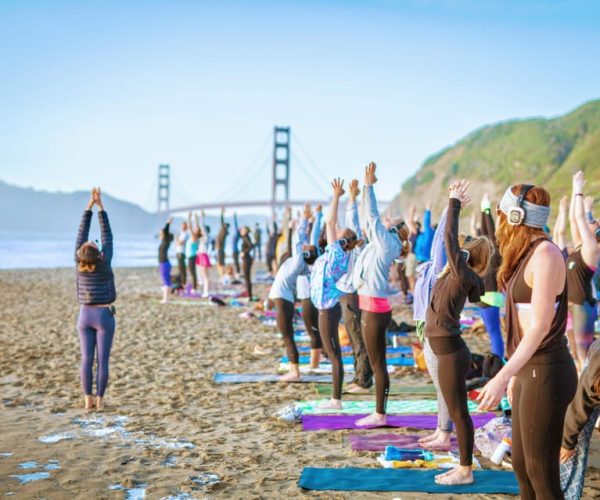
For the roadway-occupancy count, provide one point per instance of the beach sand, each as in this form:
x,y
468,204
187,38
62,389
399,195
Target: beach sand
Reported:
x,y
167,429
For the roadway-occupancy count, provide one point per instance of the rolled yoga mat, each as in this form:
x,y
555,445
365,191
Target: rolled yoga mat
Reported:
x,y
395,407
357,479
340,422
395,389
250,378
378,442
349,360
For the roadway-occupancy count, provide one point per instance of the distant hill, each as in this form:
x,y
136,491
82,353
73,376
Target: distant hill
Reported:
x,y
537,150
26,209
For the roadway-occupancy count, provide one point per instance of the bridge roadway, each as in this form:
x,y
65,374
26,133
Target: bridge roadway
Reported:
x,y
246,204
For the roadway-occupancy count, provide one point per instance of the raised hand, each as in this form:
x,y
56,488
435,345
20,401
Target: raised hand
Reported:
x,y
170,220
319,208
353,190
564,204
307,212
458,190
578,183
338,187
486,204
98,198
370,177
92,199
588,203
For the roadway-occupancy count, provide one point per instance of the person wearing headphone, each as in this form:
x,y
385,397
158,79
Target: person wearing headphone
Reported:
x,y
461,279
283,293
581,266
325,295
388,241
539,378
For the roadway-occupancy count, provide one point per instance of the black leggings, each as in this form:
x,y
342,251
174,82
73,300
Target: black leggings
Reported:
x,y
363,374
247,263
374,327
542,391
285,324
329,321
310,316
236,262
192,269
181,267
454,361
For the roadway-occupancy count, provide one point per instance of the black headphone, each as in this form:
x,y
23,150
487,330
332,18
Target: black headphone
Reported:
x,y
397,228
517,215
344,241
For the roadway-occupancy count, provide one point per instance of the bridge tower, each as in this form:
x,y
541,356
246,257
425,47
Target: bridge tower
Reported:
x,y
163,187
281,164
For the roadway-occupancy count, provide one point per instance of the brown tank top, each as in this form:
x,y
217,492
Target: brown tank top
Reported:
x,y
518,291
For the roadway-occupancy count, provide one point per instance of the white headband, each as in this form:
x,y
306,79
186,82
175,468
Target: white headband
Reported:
x,y
535,215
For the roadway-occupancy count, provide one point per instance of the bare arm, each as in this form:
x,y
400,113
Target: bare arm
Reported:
x,y
589,246
410,220
331,220
575,236
559,234
546,272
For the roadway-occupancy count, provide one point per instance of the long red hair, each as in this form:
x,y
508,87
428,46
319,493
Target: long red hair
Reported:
x,y
514,241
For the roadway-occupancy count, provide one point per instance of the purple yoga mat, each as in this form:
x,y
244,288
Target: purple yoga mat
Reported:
x,y
378,442
339,422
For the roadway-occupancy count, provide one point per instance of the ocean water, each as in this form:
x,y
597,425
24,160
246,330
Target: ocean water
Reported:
x,y
49,250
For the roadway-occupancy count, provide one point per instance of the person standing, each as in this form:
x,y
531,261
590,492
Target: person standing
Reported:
x,y
180,243
258,241
220,244
96,293
164,266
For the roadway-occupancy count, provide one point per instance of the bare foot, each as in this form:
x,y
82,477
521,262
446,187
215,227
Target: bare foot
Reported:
x,y
374,420
442,442
164,301
460,475
357,389
89,402
429,438
290,377
332,404
99,403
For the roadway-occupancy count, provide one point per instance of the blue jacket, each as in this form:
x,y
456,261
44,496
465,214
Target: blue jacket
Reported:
x,y
97,287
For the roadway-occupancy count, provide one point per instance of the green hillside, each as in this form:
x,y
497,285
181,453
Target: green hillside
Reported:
x,y
537,150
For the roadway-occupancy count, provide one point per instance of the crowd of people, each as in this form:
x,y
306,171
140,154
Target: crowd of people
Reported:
x,y
548,361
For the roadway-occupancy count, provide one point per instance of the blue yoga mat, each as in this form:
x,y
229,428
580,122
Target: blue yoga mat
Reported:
x,y
403,349
349,360
356,479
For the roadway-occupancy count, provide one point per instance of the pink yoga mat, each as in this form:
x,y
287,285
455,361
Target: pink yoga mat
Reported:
x,y
378,442
339,422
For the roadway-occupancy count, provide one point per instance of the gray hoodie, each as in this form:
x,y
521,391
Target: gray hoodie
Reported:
x,y
372,268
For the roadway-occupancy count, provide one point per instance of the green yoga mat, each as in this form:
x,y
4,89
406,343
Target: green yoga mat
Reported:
x,y
417,406
395,389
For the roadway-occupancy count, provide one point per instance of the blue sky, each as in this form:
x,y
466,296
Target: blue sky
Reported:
x,y
102,92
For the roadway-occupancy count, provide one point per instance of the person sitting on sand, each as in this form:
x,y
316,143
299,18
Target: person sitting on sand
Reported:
x,y
461,279
95,292
164,265
326,272
283,293
388,241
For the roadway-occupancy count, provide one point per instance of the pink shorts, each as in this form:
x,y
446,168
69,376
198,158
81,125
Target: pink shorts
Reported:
x,y
374,304
203,260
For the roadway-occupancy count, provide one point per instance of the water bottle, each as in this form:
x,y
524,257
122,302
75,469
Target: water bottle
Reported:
x,y
395,341
500,451
394,453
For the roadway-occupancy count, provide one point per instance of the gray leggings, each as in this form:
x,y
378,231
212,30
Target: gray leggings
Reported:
x,y
444,422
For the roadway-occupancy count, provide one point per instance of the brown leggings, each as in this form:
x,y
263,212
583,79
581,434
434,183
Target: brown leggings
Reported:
x,y
454,361
329,321
374,327
310,316
285,324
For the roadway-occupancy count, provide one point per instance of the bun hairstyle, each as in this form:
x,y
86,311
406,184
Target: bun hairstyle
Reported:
x,y
514,241
88,257
349,240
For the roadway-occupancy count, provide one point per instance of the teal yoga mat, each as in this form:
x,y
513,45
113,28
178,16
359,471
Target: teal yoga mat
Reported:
x,y
252,378
356,479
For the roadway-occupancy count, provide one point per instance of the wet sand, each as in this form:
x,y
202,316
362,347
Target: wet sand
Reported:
x,y
167,429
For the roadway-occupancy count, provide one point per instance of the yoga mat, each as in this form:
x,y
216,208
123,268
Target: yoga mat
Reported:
x,y
395,389
324,368
340,422
402,407
378,442
403,349
348,360
249,378
357,479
